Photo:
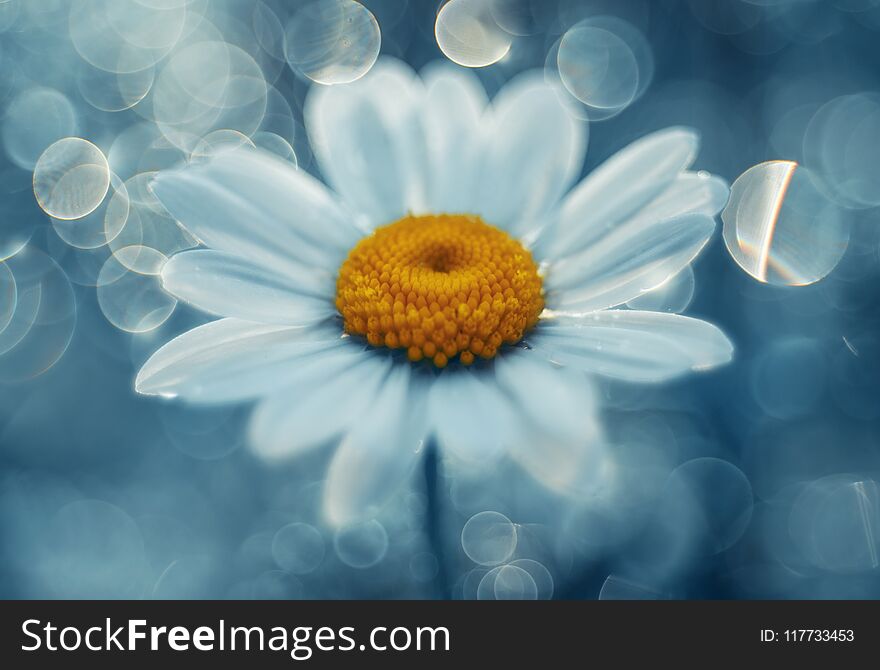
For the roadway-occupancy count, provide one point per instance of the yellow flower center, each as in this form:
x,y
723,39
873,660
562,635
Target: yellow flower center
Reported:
x,y
439,286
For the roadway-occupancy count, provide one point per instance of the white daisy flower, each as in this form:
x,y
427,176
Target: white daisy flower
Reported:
x,y
448,284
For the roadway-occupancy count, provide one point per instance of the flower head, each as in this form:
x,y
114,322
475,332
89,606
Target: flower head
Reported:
x,y
440,287
449,284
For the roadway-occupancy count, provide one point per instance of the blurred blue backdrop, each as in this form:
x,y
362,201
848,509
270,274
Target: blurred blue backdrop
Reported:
x,y
758,480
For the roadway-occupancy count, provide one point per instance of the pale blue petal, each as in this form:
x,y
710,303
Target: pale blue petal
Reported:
x,y
617,189
561,445
470,416
574,467
534,149
631,345
626,263
255,205
227,285
321,404
379,452
690,193
558,402
369,141
232,360
454,104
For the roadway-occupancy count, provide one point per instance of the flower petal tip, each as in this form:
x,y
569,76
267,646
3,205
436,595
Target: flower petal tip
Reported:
x,y
685,133
723,352
142,385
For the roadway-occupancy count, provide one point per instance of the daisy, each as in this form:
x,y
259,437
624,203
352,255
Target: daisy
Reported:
x,y
448,284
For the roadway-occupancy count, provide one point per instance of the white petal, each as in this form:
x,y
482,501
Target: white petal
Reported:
x,y
369,141
453,106
320,405
557,401
567,466
227,285
633,259
231,360
561,445
378,453
690,193
617,189
471,417
533,151
631,345
253,204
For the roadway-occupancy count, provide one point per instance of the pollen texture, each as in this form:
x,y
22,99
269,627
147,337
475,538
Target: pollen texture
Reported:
x,y
440,286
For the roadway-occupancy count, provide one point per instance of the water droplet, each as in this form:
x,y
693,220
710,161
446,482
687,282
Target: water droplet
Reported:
x,y
332,41
488,538
468,35
71,178
362,545
298,548
780,228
